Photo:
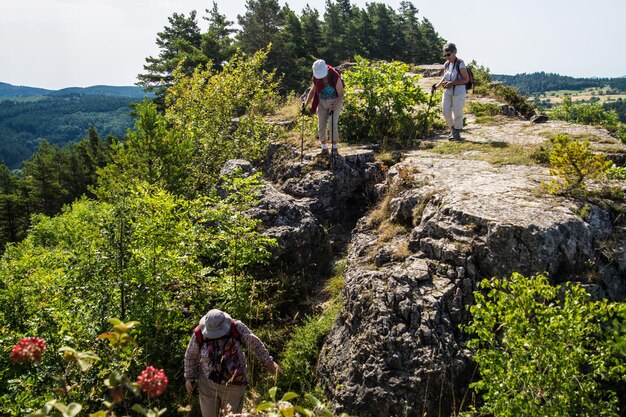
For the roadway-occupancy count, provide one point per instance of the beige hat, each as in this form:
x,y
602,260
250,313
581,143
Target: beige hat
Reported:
x,y
215,324
320,69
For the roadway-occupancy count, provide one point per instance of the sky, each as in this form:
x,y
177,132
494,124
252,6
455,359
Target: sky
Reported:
x,y
66,43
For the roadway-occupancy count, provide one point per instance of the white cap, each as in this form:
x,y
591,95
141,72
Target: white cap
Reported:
x,y
319,69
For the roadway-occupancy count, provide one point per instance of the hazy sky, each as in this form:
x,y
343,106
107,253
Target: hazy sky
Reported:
x,y
62,43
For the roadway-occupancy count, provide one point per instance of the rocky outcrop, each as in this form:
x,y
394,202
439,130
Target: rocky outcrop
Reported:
x,y
311,207
396,348
336,191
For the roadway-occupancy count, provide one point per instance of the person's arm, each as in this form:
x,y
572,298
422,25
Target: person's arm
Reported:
x,y
339,89
257,348
436,86
192,364
309,97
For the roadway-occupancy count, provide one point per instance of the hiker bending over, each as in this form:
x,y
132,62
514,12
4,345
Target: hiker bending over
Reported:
x,y
215,359
327,96
454,78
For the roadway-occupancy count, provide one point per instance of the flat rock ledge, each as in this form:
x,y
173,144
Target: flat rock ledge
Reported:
x,y
396,349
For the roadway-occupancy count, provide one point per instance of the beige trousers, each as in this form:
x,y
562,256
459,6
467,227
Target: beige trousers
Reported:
x,y
214,398
452,109
323,117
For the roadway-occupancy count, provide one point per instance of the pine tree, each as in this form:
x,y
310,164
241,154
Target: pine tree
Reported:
x,y
259,25
42,180
179,41
291,53
333,33
412,46
385,34
13,221
217,41
432,40
314,43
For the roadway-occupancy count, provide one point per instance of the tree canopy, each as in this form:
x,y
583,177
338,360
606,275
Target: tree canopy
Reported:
x,y
336,35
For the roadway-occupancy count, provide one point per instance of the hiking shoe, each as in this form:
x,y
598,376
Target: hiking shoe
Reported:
x,y
456,134
334,152
324,153
451,135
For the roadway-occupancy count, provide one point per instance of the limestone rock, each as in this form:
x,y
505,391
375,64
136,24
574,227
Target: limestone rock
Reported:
x,y
396,348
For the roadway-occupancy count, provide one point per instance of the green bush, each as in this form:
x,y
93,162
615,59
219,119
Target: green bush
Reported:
x,y
484,112
616,173
379,104
593,114
544,350
482,78
143,254
512,96
220,113
572,163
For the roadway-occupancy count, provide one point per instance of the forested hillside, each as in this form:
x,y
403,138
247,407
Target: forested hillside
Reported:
x,y
8,90
60,120
540,82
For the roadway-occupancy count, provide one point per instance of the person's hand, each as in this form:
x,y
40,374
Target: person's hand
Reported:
x,y
303,108
433,88
277,370
189,385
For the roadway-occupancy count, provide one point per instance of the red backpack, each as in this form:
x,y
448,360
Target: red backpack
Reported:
x,y
224,355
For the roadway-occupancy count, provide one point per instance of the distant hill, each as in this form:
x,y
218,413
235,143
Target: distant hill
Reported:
x,y
8,90
59,119
540,82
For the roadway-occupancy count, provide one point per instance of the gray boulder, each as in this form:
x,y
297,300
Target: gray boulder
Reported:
x,y
397,348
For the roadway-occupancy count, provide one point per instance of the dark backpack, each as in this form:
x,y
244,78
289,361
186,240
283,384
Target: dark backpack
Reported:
x,y
340,73
470,83
227,365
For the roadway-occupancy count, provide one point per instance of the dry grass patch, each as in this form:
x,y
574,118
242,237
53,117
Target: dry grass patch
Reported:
x,y
388,230
381,212
496,153
401,252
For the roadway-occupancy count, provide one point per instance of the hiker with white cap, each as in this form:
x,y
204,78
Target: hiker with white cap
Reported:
x,y
215,359
327,97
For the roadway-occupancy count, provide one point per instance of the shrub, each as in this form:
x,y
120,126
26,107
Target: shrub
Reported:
x,y
616,173
482,78
586,114
379,104
221,113
484,112
545,350
512,96
573,162
483,109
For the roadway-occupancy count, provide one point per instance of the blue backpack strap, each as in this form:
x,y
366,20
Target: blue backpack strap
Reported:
x,y
198,333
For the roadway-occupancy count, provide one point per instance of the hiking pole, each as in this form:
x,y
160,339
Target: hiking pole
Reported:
x,y
303,98
302,136
332,137
430,104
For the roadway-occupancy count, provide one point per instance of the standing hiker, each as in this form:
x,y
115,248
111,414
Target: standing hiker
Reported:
x,y
454,78
327,96
215,359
